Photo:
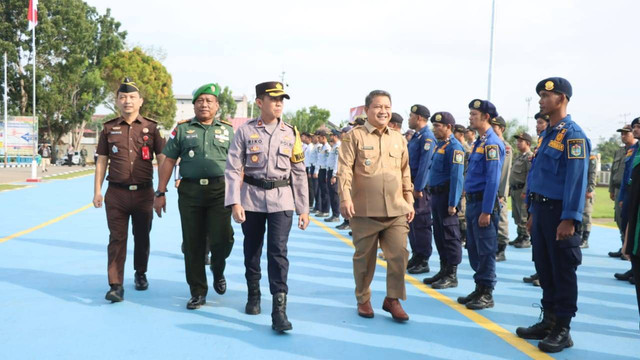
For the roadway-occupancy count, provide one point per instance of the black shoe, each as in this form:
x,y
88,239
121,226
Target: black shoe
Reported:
x,y
413,260
344,225
196,301
322,215
437,276
115,294
558,339
529,279
332,219
449,280
616,253
253,298
500,256
484,300
539,330
141,281
220,284
279,321
536,282
632,280
515,241
465,299
525,243
623,276
583,245
420,268
351,233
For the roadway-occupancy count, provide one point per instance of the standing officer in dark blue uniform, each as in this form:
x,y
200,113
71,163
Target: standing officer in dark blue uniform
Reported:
x,y
445,187
556,187
481,187
421,149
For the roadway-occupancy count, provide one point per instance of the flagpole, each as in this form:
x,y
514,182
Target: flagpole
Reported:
x,y
6,99
34,164
493,15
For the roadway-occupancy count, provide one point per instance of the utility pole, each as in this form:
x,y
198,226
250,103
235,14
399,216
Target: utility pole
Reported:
x,y
528,100
493,15
624,116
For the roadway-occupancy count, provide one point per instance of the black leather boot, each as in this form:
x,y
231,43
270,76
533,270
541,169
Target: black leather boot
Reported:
x,y
449,280
539,330
253,299
500,256
559,338
483,301
115,293
437,276
465,299
585,240
279,321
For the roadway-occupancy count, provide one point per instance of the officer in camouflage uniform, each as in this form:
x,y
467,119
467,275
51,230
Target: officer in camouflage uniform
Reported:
x,y
517,186
202,144
459,133
588,203
499,126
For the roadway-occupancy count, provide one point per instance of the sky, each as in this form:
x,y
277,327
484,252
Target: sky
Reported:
x,y
435,53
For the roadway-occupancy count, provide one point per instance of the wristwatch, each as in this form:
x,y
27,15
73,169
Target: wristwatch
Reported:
x,y
159,193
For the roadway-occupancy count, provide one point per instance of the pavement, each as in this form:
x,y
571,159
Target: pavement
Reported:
x,y
21,174
53,257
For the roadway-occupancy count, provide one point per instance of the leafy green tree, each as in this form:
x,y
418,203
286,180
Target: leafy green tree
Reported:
x,y
253,111
152,78
607,148
308,120
513,128
228,106
72,40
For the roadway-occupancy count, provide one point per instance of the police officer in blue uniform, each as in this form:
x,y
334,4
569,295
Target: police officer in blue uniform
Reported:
x,y
446,178
482,215
421,148
556,186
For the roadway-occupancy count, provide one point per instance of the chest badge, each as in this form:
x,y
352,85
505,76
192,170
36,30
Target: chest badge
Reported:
x,y
254,158
191,153
254,148
145,138
190,131
114,149
145,130
254,136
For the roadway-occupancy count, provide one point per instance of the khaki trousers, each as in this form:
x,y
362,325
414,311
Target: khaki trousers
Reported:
x,y
391,233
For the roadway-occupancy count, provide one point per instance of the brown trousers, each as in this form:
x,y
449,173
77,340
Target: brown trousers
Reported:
x,y
120,204
391,233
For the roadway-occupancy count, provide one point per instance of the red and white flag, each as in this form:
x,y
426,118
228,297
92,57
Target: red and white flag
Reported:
x,y
32,16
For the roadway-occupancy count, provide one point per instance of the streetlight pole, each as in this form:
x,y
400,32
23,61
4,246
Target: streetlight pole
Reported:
x,y
493,15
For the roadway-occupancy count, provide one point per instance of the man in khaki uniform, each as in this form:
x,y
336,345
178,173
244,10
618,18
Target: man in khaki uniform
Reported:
x,y
499,126
460,132
588,203
518,189
376,196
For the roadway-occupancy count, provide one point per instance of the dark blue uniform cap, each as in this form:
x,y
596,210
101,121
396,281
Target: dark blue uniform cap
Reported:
x,y
499,120
443,117
396,118
635,121
484,106
460,128
555,84
336,132
539,115
421,110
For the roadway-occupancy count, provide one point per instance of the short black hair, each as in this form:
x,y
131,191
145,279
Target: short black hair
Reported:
x,y
369,99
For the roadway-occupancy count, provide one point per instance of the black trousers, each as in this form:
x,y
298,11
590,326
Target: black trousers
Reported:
x,y
279,226
333,195
324,191
635,268
446,230
312,197
316,189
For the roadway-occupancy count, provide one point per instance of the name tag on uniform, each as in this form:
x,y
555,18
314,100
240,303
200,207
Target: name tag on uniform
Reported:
x,y
480,150
115,133
441,151
367,148
556,145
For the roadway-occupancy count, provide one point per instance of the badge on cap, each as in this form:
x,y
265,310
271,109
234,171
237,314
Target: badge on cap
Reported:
x,y
213,88
549,85
191,153
145,130
438,117
477,103
114,149
367,162
414,108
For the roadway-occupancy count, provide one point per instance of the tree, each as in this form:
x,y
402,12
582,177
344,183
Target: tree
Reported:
x,y
228,105
72,40
253,111
152,78
513,128
308,120
607,148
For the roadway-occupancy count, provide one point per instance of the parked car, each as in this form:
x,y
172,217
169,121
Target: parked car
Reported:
x,y
75,159
606,167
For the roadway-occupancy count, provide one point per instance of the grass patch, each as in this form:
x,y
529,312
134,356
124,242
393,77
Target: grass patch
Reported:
x,y
10,187
603,205
71,176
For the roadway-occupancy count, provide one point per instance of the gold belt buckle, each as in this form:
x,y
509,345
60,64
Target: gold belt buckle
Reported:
x,y
204,181
133,187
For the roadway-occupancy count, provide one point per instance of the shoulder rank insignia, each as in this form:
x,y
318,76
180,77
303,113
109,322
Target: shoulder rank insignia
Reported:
x,y
183,121
458,157
491,152
576,149
226,122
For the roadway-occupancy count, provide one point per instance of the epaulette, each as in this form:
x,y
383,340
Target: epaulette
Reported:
x,y
150,119
110,120
183,121
226,122
592,157
289,125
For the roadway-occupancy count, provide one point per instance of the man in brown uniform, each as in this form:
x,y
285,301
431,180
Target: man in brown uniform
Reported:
x,y
518,188
376,195
127,143
265,181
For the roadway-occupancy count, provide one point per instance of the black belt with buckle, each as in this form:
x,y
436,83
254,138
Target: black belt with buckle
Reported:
x,y
205,181
440,189
266,184
543,199
132,187
477,196
517,186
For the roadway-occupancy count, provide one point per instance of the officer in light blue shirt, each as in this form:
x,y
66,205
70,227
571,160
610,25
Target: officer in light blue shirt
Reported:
x,y
320,173
445,187
420,148
556,187
332,180
482,214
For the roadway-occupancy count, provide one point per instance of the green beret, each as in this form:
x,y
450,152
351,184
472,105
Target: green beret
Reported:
x,y
211,89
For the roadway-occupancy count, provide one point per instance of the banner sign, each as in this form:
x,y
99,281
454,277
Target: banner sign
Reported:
x,y
20,136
